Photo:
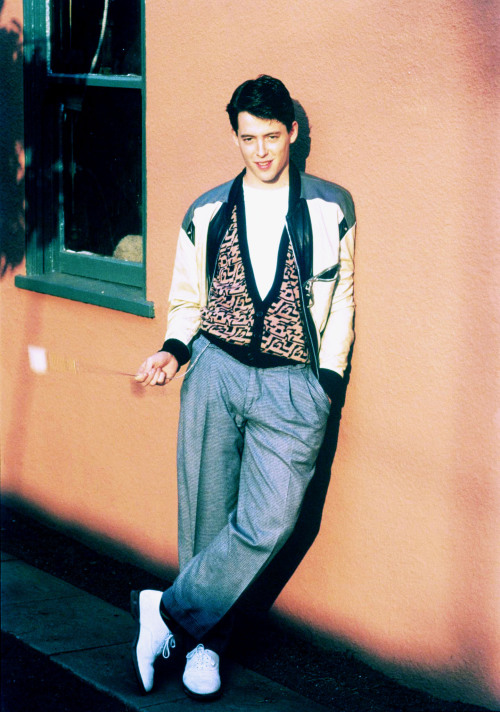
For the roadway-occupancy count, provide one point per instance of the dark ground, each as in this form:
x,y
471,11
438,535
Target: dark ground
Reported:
x,y
32,682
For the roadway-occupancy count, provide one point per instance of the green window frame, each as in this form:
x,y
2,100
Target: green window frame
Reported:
x,y
49,98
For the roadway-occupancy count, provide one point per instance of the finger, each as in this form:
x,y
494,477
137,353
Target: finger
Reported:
x,y
148,378
169,372
158,378
154,377
141,372
171,368
141,376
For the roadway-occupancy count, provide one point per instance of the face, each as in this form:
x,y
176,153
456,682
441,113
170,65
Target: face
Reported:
x,y
265,147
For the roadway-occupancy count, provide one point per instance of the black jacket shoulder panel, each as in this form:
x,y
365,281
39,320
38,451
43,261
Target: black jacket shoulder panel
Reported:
x,y
313,187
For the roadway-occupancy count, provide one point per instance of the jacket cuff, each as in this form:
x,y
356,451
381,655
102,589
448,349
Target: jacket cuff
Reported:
x,y
333,384
178,349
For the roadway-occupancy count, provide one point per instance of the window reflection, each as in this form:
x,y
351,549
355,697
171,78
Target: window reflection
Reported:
x,y
98,36
101,195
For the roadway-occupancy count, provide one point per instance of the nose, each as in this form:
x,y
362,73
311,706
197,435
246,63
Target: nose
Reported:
x,y
261,147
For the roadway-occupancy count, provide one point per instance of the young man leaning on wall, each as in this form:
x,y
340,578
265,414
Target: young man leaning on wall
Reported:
x,y
261,304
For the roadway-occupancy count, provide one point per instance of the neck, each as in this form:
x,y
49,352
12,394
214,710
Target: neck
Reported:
x,y
281,181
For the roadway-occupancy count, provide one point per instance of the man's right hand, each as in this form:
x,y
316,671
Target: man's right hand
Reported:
x,y
158,369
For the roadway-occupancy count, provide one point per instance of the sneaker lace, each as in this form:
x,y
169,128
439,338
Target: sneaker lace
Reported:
x,y
169,643
202,659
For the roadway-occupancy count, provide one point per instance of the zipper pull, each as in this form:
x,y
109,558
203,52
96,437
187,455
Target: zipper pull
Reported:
x,y
308,291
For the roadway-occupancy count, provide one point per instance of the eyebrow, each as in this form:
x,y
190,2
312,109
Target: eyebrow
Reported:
x,y
269,133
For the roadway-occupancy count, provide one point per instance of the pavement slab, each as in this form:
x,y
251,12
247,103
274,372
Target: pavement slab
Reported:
x,y
91,638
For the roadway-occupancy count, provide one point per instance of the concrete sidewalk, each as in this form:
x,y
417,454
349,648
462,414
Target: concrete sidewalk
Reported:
x,y
91,638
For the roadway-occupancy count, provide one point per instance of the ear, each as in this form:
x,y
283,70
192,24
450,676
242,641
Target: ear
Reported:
x,y
235,138
294,132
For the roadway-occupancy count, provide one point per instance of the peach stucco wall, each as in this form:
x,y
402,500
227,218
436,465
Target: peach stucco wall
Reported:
x,y
401,99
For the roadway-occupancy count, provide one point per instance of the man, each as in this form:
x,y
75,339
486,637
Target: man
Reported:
x,y
261,304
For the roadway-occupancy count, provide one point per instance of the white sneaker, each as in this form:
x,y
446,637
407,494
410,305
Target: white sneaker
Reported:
x,y
152,635
201,676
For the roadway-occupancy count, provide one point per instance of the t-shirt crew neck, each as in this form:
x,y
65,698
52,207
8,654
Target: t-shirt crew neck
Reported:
x,y
265,211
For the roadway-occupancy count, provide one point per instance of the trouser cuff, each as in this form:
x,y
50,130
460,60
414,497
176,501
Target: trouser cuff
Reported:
x,y
170,622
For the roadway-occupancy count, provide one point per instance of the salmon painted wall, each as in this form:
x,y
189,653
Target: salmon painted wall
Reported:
x,y
401,100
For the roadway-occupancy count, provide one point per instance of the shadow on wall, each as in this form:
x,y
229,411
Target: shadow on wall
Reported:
x,y
261,595
300,150
12,235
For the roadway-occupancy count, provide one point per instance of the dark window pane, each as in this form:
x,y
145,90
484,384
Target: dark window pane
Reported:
x,y
102,167
98,36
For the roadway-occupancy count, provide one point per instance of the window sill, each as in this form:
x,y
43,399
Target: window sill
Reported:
x,y
90,291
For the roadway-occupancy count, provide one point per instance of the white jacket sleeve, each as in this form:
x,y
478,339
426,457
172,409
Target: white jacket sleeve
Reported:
x,y
184,300
338,335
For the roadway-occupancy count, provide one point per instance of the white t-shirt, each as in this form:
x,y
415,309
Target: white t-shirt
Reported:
x,y
265,211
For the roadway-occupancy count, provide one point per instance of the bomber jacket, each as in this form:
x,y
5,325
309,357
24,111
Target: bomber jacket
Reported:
x,y
321,227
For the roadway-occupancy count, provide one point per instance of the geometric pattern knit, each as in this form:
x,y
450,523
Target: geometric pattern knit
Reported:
x,y
230,314
283,333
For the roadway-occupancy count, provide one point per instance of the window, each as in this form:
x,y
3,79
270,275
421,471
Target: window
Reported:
x,y
85,152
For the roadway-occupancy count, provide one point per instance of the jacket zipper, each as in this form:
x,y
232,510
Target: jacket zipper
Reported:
x,y
326,274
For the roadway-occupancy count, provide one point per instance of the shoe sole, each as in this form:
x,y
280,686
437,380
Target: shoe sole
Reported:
x,y
202,698
136,615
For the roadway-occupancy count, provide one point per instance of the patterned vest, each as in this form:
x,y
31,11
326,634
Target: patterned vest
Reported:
x,y
264,332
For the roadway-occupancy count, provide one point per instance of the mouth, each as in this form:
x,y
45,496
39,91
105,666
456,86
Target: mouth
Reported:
x,y
263,165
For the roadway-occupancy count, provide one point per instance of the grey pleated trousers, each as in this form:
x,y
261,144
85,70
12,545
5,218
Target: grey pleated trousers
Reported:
x,y
247,446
